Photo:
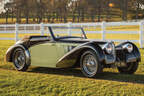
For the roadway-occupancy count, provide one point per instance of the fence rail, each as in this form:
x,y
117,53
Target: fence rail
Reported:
x,y
103,28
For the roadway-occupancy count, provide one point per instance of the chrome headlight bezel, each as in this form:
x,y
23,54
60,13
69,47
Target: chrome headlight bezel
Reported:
x,y
108,48
128,47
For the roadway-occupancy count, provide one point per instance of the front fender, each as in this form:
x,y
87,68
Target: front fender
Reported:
x,y
135,52
69,59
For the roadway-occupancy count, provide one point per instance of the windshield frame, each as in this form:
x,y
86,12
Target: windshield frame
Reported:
x,y
63,37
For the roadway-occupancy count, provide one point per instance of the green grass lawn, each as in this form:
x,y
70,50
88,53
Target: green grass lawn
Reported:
x,y
39,81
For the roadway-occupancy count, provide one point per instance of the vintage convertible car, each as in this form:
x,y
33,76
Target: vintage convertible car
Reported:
x,y
73,49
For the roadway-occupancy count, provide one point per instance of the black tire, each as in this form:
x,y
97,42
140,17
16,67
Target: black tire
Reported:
x,y
19,59
92,63
130,69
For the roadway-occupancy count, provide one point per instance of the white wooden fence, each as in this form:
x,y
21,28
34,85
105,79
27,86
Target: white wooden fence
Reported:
x,y
41,29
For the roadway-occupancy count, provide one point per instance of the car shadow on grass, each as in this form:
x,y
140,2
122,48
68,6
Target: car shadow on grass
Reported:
x,y
106,75
113,76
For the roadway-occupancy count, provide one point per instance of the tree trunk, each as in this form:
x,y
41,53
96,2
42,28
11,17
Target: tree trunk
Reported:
x,y
73,14
137,10
78,15
7,13
27,17
82,17
65,15
99,13
124,8
20,17
108,11
12,15
53,17
17,16
48,17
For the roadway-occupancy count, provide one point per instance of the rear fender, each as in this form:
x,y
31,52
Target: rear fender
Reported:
x,y
10,51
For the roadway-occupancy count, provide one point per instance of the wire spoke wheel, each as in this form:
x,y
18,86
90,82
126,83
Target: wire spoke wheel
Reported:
x,y
89,64
129,69
19,59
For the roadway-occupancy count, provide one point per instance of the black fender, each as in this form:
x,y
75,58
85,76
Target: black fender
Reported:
x,y
9,53
69,59
135,52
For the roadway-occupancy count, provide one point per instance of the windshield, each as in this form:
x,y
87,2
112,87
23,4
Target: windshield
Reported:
x,y
66,32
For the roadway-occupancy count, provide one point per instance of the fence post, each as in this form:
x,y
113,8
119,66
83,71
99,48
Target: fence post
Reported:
x,y
42,29
69,29
141,34
103,30
16,32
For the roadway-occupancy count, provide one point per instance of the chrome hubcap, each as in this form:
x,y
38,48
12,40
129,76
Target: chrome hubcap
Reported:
x,y
19,59
90,64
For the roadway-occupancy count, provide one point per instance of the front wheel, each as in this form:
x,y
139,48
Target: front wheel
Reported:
x,y
19,59
130,69
90,64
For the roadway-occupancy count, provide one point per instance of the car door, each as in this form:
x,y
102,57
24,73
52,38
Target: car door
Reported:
x,y
44,55
62,49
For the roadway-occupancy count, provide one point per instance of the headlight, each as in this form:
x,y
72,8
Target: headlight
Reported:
x,y
108,48
128,47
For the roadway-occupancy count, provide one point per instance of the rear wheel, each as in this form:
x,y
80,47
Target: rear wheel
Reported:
x,y
130,69
90,64
19,59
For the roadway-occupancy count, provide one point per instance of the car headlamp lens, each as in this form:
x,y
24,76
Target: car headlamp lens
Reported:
x,y
128,47
108,48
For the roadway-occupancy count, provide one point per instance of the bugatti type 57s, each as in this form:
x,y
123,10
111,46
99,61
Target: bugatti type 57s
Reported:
x,y
62,50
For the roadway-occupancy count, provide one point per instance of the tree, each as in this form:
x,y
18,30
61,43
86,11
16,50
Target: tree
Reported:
x,y
77,10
